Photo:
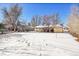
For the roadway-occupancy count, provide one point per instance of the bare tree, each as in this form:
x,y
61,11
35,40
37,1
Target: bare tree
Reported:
x,y
38,18
33,22
51,19
36,21
46,20
11,16
73,22
54,19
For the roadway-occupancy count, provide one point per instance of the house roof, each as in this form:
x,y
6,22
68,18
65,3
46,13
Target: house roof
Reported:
x,y
41,26
58,25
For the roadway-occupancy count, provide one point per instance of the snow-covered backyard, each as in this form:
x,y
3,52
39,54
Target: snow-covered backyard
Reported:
x,y
38,44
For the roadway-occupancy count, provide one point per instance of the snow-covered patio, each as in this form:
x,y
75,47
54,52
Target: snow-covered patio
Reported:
x,y
38,44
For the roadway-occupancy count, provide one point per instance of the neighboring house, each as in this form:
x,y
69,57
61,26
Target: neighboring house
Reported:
x,y
57,28
41,28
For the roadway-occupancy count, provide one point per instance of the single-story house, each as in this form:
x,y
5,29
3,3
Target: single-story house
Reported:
x,y
56,28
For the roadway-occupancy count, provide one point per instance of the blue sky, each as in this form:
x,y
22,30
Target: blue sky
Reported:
x,y
31,9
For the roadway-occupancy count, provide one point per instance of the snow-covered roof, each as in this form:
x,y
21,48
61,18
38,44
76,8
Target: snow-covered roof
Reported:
x,y
41,26
58,25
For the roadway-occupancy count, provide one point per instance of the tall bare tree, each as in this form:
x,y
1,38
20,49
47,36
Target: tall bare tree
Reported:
x,y
54,19
33,22
51,19
36,21
73,22
11,16
46,20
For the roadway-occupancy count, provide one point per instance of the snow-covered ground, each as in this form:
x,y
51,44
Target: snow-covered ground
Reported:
x,y
38,44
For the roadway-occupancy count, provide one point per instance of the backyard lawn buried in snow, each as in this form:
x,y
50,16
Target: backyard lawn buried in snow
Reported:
x,y
38,44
